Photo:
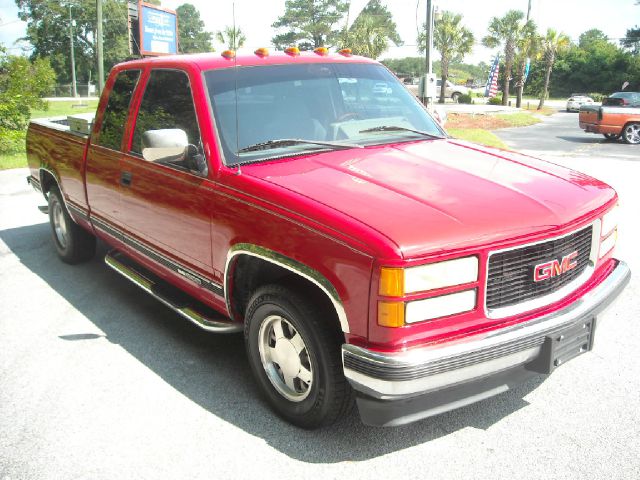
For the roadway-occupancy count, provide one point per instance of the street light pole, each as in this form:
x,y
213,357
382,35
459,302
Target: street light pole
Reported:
x,y
73,59
99,47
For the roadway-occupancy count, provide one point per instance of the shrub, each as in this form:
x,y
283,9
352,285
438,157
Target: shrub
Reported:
x,y
597,97
497,100
464,98
11,141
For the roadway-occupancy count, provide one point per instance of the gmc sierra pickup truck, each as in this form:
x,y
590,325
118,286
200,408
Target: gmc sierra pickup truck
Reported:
x,y
368,257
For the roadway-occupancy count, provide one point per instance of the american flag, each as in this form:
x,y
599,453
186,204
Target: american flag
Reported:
x,y
491,89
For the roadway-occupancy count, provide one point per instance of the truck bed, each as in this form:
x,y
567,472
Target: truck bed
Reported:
x,y
52,146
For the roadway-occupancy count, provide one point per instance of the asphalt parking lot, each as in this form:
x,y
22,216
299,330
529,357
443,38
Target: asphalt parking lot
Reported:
x,y
98,380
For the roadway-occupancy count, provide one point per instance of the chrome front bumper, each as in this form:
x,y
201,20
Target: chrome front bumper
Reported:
x,y
392,378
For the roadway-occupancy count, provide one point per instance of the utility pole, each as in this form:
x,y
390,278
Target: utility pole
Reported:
x,y
99,47
529,10
73,59
429,47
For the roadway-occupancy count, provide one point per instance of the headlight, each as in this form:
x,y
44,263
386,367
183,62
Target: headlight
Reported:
x,y
610,221
608,243
440,306
396,282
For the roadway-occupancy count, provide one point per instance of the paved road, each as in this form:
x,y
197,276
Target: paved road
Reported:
x,y
98,381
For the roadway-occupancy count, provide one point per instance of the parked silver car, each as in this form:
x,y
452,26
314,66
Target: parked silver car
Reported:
x,y
576,100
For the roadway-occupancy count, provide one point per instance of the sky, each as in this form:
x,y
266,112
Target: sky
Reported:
x,y
255,17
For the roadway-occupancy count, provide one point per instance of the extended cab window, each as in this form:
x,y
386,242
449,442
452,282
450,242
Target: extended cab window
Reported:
x,y
167,127
117,109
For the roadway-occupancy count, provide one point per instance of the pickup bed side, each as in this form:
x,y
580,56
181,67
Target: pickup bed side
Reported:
x,y
612,122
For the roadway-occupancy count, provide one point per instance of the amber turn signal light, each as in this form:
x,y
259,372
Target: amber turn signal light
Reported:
x,y
391,314
391,282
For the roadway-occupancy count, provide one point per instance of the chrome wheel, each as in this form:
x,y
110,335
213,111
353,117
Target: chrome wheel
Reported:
x,y
631,133
285,358
59,224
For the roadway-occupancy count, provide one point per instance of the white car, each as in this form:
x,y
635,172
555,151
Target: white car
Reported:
x,y
576,101
451,90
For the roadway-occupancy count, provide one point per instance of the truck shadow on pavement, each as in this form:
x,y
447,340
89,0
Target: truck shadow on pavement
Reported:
x,y
212,371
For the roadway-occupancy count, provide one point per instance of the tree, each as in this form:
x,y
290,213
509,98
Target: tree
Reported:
x,y
632,40
527,48
452,40
22,86
48,32
191,33
232,37
552,43
372,31
505,31
309,23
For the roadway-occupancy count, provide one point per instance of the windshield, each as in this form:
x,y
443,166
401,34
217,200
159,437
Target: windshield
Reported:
x,y
332,105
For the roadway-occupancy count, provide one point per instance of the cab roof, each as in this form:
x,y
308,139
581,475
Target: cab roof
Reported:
x,y
209,61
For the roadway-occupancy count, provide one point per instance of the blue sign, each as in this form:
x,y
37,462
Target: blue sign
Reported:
x,y
158,31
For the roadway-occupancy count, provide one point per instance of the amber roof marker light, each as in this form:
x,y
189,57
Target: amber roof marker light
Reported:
x,y
292,51
262,52
229,54
345,52
322,51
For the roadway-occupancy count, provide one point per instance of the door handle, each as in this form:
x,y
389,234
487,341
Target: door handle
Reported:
x,y
125,178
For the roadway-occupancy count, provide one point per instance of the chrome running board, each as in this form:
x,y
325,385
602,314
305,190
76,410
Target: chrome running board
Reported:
x,y
162,292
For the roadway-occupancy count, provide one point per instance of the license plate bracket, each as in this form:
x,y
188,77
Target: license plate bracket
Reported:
x,y
565,345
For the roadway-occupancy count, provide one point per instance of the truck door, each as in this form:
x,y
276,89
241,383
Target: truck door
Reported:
x,y
102,172
165,203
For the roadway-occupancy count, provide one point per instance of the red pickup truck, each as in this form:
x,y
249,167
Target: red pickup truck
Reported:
x,y
366,255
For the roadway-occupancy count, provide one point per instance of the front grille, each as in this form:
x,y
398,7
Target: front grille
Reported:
x,y
510,278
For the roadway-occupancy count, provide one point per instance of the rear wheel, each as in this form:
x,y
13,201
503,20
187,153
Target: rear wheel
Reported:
x,y
611,136
72,242
631,133
295,357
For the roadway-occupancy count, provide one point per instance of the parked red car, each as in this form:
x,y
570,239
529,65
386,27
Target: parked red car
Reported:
x,y
363,252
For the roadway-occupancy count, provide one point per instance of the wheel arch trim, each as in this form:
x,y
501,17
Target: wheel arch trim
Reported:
x,y
287,263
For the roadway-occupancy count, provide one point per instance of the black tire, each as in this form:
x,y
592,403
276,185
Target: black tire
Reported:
x,y
72,242
631,133
611,136
327,396
455,96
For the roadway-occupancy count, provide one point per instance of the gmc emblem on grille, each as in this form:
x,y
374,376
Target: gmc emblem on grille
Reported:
x,y
554,268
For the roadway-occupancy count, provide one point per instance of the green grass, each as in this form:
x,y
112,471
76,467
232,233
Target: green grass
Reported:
x,y
477,135
519,119
55,109
13,160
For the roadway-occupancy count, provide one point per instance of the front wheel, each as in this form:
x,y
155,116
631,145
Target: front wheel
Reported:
x,y
73,244
295,356
455,97
611,136
631,133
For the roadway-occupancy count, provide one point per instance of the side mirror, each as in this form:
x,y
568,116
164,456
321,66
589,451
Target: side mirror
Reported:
x,y
166,144
171,145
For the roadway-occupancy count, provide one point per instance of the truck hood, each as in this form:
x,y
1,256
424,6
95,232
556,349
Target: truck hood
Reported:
x,y
429,196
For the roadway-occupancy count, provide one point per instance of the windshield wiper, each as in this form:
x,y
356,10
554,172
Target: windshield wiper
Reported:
x,y
287,142
394,128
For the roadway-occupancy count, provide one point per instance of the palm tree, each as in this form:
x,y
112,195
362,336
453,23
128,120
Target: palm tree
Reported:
x,y
552,43
528,48
453,41
505,31
232,37
371,31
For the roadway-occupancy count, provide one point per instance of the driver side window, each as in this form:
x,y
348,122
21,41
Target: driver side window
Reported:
x,y
166,129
